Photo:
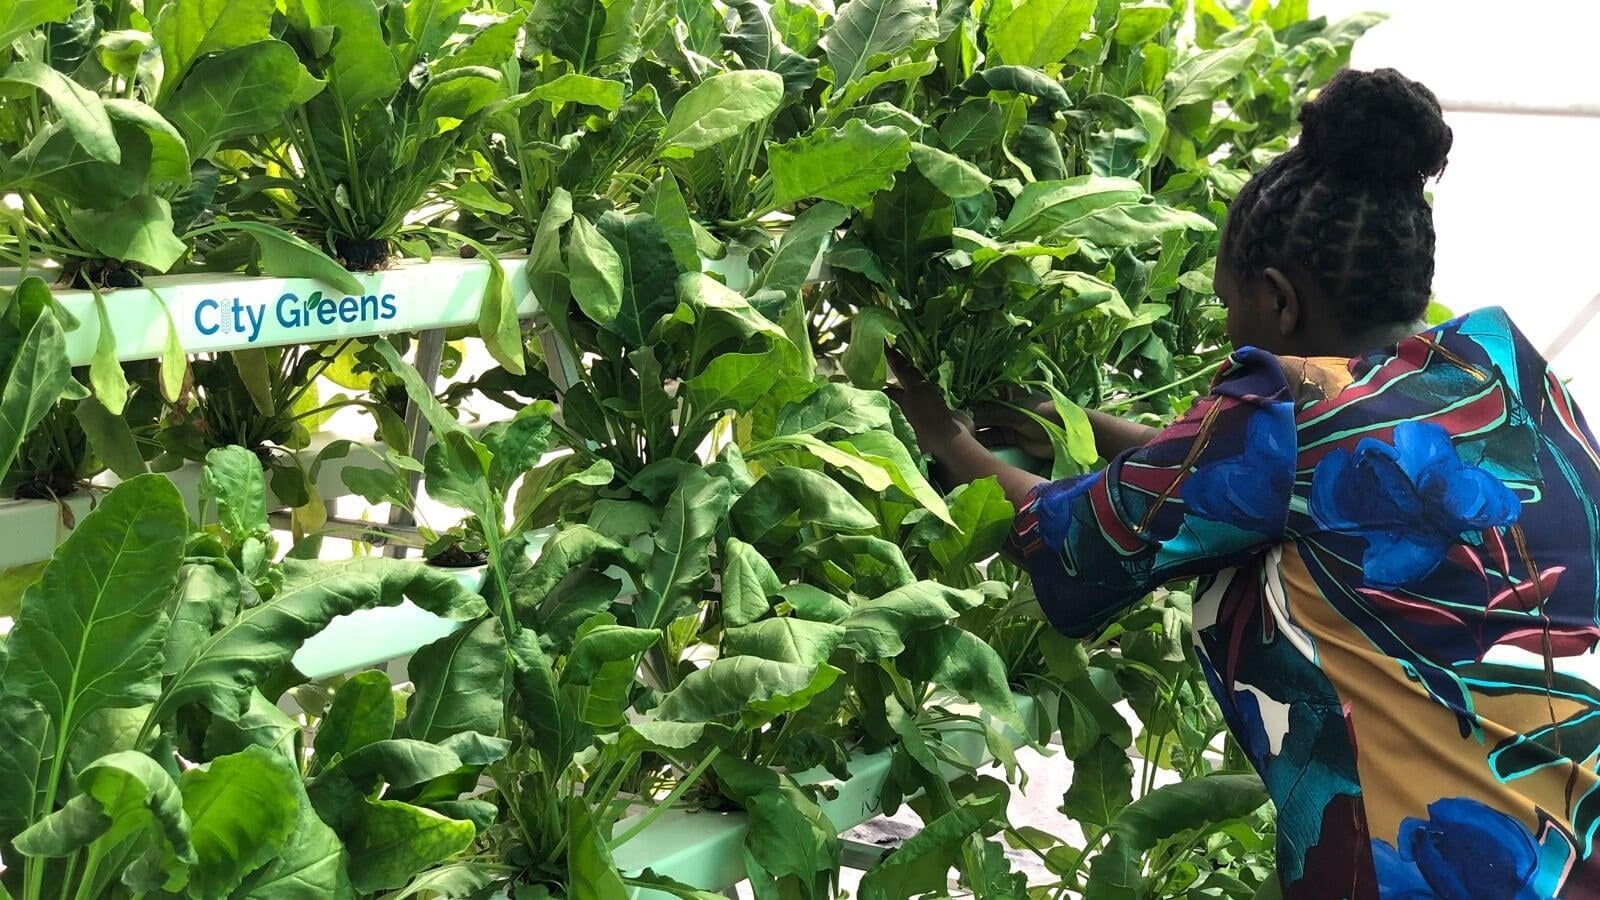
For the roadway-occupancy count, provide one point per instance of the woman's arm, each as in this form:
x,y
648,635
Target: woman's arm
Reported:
x,y
951,442
1112,435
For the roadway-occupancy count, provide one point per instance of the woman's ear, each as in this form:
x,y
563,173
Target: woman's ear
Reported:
x,y
1285,301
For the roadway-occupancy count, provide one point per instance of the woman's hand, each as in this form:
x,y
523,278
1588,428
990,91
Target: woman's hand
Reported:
x,y
1001,424
936,425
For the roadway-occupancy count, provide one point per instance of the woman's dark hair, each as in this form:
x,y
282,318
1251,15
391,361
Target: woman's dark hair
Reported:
x,y
1346,205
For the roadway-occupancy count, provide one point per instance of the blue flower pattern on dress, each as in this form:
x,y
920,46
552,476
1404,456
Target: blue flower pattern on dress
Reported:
x,y
1410,500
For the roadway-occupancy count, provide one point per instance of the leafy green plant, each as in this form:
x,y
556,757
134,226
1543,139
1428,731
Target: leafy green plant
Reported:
x,y
407,85
124,666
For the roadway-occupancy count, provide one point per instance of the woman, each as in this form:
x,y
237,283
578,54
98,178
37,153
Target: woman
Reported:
x,y
1396,527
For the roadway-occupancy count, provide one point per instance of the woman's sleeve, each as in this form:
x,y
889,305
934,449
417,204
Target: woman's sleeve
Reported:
x,y
1207,493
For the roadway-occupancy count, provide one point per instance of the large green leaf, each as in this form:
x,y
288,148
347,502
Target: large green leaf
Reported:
x,y
241,808
77,107
734,381
391,841
24,752
397,762
719,108
960,661
600,643
91,629
878,628
1046,207
1193,803
595,269
189,29
139,230
1125,224
364,68
311,863
953,176
56,163
797,253
362,713
1102,784
18,17
649,275
593,873
681,562
288,256
233,480
541,704
1038,33
133,796
867,33
748,583
922,864
755,690
846,165
38,375
459,681
787,640
982,517
1196,79
790,838
222,669
835,410
887,452
791,495
245,91
569,30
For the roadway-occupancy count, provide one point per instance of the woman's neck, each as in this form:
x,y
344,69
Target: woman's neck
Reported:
x,y
1374,338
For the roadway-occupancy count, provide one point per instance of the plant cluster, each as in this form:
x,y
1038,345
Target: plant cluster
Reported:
x,y
716,570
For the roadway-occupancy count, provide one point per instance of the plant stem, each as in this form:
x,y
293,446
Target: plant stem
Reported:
x,y
683,785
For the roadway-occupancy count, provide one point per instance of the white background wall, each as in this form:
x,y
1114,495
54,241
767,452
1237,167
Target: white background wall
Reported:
x,y
1518,209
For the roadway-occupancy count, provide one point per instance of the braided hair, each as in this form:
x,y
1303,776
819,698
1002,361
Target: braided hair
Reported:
x,y
1346,205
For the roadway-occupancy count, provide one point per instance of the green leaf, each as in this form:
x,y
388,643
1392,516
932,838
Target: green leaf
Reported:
x,y
397,762
748,583
241,808
312,862
362,713
364,69
846,165
389,842
140,230
232,478
1102,784
1047,207
734,381
1193,803
867,33
953,176
287,256
797,253
719,108
1139,22
973,127
189,29
681,564
601,642
888,453
596,271
982,517
18,17
458,681
606,93
649,275
753,689
441,420
1197,78
814,604
665,202
787,640
169,154
91,629
790,495
593,873
1123,225
541,704
878,628
922,864
38,376
133,796
247,90
221,670
1038,33
77,107
864,360
960,661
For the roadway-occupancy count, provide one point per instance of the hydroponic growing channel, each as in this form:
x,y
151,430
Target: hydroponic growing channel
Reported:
x,y
606,289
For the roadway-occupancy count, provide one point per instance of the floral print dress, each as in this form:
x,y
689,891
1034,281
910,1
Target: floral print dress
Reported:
x,y
1399,613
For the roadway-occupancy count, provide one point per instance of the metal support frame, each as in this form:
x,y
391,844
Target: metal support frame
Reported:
x,y
430,356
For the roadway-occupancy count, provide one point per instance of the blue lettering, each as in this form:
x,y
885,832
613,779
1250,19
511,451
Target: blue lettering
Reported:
x,y
369,301
388,306
349,310
326,311
200,326
289,311
255,314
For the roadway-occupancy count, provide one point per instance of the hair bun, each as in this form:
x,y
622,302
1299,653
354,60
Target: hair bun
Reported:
x,y
1377,125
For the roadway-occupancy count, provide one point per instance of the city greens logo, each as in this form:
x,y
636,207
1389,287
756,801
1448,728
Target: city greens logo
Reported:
x,y
291,312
